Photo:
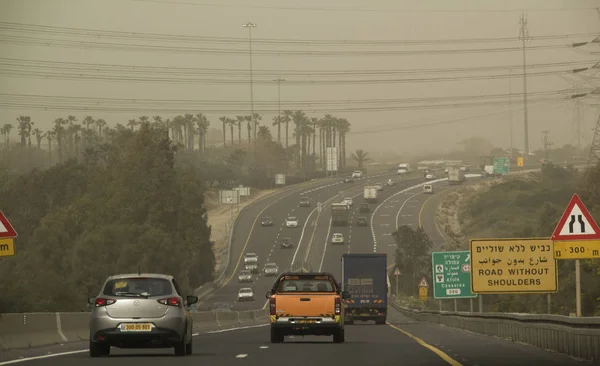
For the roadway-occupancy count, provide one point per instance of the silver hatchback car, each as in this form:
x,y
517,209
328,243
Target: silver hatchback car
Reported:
x,y
141,311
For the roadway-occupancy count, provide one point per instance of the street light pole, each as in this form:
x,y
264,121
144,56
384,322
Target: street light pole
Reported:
x,y
250,25
524,37
279,81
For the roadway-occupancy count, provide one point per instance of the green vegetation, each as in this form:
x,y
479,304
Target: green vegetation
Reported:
x,y
89,200
413,258
531,207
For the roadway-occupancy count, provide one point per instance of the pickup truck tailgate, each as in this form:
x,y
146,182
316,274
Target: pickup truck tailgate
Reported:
x,y
305,304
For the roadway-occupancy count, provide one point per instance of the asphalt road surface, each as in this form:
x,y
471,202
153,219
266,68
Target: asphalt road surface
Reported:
x,y
401,342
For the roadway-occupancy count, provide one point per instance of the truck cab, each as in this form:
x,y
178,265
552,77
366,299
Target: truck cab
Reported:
x,y
306,304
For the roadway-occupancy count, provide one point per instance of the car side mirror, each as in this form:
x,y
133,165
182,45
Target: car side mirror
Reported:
x,y
190,300
92,300
346,295
268,294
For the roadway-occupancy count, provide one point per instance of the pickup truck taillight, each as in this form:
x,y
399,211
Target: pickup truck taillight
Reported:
x,y
272,306
338,306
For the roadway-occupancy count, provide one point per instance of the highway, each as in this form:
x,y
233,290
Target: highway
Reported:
x,y
250,237
401,342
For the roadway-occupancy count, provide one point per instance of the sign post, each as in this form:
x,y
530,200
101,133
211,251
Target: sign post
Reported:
x,y
7,237
397,274
423,289
577,236
452,275
512,266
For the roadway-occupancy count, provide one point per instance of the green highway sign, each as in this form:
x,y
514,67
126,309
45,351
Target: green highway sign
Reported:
x,y
452,275
501,165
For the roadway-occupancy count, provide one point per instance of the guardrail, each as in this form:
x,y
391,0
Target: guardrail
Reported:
x,y
576,337
26,330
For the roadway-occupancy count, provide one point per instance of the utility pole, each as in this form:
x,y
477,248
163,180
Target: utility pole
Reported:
x,y
546,143
250,25
524,37
279,81
510,117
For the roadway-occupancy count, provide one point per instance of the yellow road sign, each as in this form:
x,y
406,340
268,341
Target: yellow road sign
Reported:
x,y
520,161
7,247
508,266
577,249
423,293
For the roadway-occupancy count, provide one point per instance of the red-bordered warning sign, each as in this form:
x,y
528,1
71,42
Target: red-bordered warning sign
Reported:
x,y
576,223
6,229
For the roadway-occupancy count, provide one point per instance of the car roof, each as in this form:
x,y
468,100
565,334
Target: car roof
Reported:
x,y
138,275
291,217
251,254
245,289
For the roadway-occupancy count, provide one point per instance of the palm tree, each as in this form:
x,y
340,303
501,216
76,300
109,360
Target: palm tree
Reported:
x,y
238,123
224,121
277,120
59,132
257,118
23,128
343,127
189,120
264,133
287,118
100,123
6,132
51,135
360,156
203,124
131,123
231,122
39,135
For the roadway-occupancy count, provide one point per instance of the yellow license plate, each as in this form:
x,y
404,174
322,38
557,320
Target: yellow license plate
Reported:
x,y
306,321
136,327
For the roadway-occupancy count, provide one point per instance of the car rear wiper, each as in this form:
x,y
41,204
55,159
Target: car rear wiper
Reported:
x,y
131,294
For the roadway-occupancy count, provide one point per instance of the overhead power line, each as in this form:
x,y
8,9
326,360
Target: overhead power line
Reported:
x,y
19,28
362,9
87,44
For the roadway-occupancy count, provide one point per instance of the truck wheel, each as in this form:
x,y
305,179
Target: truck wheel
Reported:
x,y
276,337
338,336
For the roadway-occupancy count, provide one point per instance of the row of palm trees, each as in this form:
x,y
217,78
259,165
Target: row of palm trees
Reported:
x,y
71,138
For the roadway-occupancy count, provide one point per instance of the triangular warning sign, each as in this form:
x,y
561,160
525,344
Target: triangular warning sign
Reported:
x,y
6,229
423,282
576,223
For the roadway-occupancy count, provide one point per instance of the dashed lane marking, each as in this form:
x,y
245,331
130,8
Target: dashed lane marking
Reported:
x,y
237,328
444,356
241,355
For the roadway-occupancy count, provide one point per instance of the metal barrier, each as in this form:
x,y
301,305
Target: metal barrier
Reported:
x,y
42,329
576,337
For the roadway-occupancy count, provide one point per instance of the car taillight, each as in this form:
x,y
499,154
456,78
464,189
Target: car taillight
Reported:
x,y
338,306
100,301
171,301
272,306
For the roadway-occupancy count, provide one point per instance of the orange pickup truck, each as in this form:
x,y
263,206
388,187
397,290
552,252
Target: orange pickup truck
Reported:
x,y
306,304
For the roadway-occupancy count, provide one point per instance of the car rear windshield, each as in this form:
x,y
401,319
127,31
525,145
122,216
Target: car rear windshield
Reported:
x,y
138,286
306,283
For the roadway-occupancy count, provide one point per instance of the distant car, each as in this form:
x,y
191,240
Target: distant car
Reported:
x,y
291,221
362,221
364,207
428,188
140,311
222,306
402,171
337,238
245,294
286,242
250,257
245,276
251,262
266,221
349,180
430,176
390,182
348,201
357,174
304,202
271,269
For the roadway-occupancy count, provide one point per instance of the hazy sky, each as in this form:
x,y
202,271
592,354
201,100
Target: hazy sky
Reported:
x,y
379,20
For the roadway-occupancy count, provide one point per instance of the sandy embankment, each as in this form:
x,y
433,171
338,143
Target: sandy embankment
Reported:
x,y
220,218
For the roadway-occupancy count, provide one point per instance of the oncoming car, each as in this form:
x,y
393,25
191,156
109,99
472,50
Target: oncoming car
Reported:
x,y
291,222
141,311
337,238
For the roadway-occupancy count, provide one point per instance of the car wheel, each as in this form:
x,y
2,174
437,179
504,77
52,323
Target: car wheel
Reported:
x,y
180,347
99,350
338,336
188,347
276,336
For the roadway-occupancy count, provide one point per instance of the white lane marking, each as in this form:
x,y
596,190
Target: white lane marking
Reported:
x,y
263,347
42,357
195,334
237,328
402,207
384,215
326,241
241,355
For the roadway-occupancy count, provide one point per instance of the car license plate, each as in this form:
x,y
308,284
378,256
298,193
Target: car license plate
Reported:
x,y
306,321
136,327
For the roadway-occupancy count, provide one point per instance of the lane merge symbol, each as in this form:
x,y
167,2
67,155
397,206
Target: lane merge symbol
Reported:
x,y
580,221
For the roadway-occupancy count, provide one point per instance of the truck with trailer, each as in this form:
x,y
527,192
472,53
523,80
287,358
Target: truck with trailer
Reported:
x,y
364,276
370,194
340,214
455,175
